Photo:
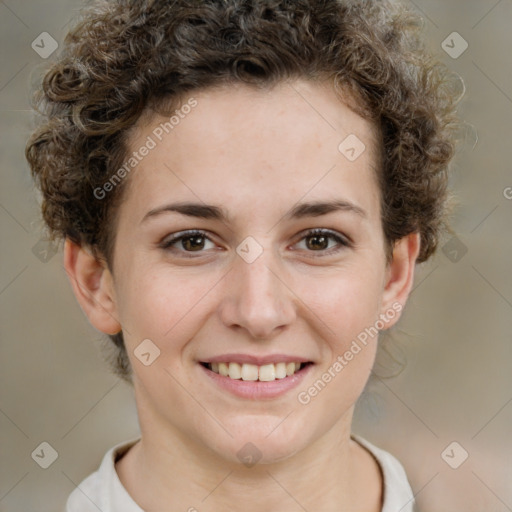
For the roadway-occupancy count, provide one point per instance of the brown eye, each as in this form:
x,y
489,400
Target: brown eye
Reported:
x,y
186,242
324,242
193,243
317,242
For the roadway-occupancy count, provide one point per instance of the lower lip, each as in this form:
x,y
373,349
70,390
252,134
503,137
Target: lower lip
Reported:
x,y
257,390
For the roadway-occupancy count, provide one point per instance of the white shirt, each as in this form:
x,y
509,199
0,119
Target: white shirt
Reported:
x,y
103,490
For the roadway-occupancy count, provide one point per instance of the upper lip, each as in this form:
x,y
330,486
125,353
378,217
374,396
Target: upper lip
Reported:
x,y
257,360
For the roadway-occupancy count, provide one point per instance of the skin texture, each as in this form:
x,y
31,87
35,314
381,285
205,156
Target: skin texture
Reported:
x,y
256,154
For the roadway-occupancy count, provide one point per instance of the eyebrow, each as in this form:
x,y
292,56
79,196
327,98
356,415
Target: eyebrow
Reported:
x,y
301,210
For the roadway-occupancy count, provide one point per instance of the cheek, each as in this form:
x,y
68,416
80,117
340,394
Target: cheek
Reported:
x,y
155,301
346,302
158,304
348,305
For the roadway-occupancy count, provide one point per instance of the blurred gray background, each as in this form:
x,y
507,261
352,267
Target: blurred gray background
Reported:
x,y
456,333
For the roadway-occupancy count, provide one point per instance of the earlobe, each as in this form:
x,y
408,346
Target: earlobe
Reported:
x,y
400,275
92,285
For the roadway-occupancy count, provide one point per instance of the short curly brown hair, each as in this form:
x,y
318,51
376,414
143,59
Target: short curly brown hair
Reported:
x,y
125,58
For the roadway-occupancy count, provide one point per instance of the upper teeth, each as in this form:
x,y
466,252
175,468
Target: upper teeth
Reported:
x,y
266,372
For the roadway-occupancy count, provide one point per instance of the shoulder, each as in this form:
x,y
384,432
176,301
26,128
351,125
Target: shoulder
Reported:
x,y
102,489
397,492
86,496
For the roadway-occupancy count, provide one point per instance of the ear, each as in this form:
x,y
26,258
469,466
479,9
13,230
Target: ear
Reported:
x,y
92,284
400,276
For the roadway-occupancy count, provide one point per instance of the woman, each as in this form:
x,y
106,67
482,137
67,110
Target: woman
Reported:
x,y
244,188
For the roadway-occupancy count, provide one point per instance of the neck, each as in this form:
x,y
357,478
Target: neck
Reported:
x,y
168,468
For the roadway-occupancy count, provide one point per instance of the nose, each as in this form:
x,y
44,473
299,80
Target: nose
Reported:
x,y
256,298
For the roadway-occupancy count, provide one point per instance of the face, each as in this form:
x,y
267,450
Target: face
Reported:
x,y
282,260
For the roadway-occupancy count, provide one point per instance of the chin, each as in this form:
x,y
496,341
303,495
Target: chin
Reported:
x,y
258,442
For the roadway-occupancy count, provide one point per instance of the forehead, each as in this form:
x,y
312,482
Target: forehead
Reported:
x,y
237,144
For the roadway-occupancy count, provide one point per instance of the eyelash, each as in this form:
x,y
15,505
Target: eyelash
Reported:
x,y
343,242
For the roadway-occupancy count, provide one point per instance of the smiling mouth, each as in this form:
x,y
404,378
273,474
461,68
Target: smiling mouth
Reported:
x,y
252,372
